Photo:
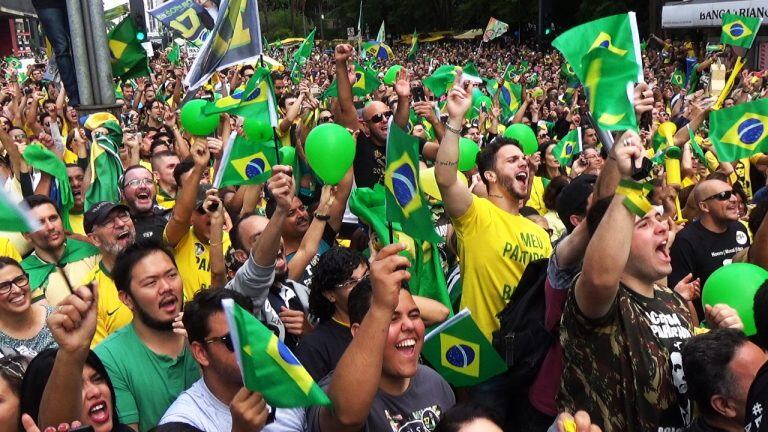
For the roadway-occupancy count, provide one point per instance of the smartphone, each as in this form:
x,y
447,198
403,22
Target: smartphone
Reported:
x,y
418,94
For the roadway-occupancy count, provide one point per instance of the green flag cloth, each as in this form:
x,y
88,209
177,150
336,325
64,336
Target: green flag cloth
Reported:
x,y
255,100
174,55
460,353
609,80
405,202
740,131
245,162
617,33
567,147
42,159
39,270
366,83
16,217
267,365
105,166
441,80
739,30
509,98
677,79
303,52
470,69
697,151
414,46
128,57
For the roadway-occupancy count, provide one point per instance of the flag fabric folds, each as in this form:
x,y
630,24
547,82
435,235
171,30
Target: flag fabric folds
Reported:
x,y
609,80
494,29
302,54
245,162
414,46
740,131
677,79
441,79
404,200
127,56
16,217
459,351
267,365
105,166
365,83
255,100
509,98
739,30
382,35
43,159
567,147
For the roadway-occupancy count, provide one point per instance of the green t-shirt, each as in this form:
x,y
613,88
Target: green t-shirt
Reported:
x,y
145,383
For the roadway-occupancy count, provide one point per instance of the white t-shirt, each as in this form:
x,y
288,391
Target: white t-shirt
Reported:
x,y
198,407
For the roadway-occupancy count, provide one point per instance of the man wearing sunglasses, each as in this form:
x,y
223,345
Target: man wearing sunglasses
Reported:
x,y
711,241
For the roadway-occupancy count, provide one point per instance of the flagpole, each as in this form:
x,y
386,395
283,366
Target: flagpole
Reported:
x,y
727,89
275,138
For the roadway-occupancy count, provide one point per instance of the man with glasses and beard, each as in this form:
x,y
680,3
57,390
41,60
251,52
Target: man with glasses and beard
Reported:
x,y
138,190
712,240
110,228
148,363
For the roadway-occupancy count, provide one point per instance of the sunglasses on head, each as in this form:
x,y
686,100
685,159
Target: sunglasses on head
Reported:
x,y
378,118
226,340
721,196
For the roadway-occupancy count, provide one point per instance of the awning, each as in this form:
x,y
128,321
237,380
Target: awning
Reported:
x,y
20,8
708,13
470,34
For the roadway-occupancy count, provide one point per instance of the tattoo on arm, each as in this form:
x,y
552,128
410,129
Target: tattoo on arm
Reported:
x,y
446,163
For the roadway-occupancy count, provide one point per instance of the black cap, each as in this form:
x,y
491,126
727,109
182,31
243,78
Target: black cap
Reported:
x,y
573,199
98,213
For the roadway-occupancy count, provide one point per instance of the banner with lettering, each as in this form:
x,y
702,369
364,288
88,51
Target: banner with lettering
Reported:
x,y
186,17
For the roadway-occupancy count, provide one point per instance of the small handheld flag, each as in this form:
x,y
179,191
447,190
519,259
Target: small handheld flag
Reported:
x,y
16,217
739,30
567,147
740,131
245,162
609,80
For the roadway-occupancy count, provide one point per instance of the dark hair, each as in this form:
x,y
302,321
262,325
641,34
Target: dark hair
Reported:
x,y
760,311
464,413
270,207
37,200
37,376
756,216
161,154
245,68
486,158
129,169
705,361
527,211
718,175
127,259
359,301
8,261
185,165
284,98
234,233
206,303
12,370
553,189
334,268
175,427
596,212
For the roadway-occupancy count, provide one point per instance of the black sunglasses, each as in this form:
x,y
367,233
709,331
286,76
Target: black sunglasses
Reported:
x,y
721,196
326,119
377,118
226,340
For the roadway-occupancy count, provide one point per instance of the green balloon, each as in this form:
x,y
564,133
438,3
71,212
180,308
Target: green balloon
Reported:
x,y
330,151
195,121
287,155
735,285
391,76
468,151
257,131
525,136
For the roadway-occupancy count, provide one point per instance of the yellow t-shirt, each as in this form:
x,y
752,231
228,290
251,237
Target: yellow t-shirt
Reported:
x,y
163,200
112,313
7,249
56,289
536,200
193,260
76,220
70,157
494,249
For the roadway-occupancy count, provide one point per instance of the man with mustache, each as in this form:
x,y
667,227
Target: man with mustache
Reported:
x,y
76,176
138,190
148,363
110,228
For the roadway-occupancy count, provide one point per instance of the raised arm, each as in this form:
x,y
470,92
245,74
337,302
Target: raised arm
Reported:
x,y
347,111
218,268
181,218
403,91
311,240
266,247
456,197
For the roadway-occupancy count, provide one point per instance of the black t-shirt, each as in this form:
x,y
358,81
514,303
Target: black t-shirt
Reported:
x,y
700,251
757,400
150,228
371,161
321,350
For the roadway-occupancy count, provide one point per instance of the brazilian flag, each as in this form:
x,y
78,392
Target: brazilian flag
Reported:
x,y
405,202
459,351
617,33
267,365
302,54
740,131
609,80
366,83
567,147
104,160
441,80
128,58
245,162
414,46
509,98
739,30
254,100
44,160
677,79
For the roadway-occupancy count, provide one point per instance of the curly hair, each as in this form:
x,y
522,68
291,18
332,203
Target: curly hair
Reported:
x,y
334,268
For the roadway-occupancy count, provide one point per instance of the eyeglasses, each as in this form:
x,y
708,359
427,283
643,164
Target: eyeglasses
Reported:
x,y
139,182
19,137
226,340
326,119
721,196
110,224
352,281
20,281
378,118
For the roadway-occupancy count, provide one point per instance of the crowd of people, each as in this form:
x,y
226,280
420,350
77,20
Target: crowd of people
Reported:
x,y
111,313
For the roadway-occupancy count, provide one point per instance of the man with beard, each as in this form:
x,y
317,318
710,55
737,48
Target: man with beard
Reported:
x,y
54,255
149,365
219,401
77,183
280,303
495,242
138,190
110,228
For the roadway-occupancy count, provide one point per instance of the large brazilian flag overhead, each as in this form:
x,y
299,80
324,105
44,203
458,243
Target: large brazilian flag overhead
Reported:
x,y
267,365
739,30
740,131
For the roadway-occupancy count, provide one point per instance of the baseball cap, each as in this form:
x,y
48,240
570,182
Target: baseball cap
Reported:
x,y
98,214
573,199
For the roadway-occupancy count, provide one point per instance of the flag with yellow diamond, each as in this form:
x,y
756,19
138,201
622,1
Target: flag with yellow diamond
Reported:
x,y
569,146
267,365
245,162
740,131
609,81
617,33
365,83
739,30
459,351
128,58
